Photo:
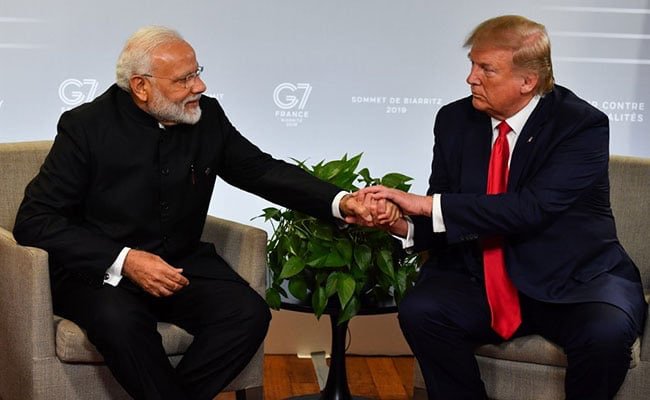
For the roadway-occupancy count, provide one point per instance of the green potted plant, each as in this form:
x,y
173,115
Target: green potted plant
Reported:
x,y
318,262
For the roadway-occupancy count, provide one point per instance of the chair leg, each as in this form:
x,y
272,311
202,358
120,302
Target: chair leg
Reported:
x,y
254,393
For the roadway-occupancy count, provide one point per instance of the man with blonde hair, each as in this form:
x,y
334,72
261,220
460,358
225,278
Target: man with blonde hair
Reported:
x,y
518,225
120,204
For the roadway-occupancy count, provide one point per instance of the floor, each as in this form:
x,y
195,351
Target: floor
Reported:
x,y
384,378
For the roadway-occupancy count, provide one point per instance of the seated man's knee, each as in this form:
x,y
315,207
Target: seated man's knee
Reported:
x,y
254,313
614,337
611,338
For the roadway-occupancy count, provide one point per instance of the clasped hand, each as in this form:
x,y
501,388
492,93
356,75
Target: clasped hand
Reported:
x,y
368,210
382,207
409,203
153,274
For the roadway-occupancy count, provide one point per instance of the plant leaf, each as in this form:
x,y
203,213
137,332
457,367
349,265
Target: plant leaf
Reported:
x,y
318,301
359,276
294,244
301,164
292,267
315,247
365,175
383,282
362,256
323,232
271,213
334,260
346,177
298,288
385,263
345,180
321,277
284,245
353,163
332,284
396,180
330,170
317,254
400,282
345,288
283,293
317,260
344,248
273,298
350,310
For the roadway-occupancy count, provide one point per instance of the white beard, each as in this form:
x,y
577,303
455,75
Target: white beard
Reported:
x,y
164,110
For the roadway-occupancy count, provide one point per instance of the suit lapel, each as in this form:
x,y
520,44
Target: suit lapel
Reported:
x,y
529,141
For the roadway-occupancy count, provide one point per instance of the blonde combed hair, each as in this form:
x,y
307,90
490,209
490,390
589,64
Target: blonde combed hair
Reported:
x,y
527,39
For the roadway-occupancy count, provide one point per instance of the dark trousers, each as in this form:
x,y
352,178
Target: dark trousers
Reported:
x,y
446,316
228,319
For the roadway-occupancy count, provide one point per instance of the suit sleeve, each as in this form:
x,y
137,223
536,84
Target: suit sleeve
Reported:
x,y
51,214
572,163
424,238
244,165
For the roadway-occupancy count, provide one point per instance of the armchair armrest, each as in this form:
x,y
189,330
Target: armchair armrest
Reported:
x,y
242,246
26,323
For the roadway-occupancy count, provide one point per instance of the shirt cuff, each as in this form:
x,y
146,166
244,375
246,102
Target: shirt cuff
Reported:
x,y
436,215
336,210
113,274
407,242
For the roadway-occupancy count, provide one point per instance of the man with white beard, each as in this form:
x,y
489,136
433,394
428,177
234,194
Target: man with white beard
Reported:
x,y
120,205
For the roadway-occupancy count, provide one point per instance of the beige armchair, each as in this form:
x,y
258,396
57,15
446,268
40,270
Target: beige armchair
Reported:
x,y
43,356
533,368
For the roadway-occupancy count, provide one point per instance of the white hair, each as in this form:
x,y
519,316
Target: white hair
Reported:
x,y
135,57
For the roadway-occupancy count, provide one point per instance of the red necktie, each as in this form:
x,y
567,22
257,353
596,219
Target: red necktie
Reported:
x,y
501,293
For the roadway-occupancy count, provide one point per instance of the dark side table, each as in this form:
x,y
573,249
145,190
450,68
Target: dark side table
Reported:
x,y
336,387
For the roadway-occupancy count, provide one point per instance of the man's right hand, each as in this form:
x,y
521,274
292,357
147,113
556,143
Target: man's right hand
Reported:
x,y
411,204
386,215
153,274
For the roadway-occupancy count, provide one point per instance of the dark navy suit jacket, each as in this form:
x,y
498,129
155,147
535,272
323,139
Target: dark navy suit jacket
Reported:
x,y
560,236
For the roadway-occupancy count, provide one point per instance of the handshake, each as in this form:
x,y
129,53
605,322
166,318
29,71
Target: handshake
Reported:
x,y
384,208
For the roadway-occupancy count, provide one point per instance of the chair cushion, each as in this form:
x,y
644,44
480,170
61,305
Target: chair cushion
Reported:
x,y
72,344
537,350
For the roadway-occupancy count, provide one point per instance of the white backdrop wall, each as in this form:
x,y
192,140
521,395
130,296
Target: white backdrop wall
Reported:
x,y
314,79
